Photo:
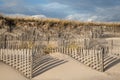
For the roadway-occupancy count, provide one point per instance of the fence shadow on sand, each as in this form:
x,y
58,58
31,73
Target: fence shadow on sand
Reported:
x,y
46,64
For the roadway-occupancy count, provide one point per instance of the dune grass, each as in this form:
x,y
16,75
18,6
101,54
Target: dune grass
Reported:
x,y
53,22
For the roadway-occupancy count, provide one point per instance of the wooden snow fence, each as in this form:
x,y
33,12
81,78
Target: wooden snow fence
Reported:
x,y
90,57
20,59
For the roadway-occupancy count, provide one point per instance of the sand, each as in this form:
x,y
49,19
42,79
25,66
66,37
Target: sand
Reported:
x,y
8,73
72,70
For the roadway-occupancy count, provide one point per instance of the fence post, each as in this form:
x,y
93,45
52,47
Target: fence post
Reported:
x,y
31,58
0,55
5,41
102,59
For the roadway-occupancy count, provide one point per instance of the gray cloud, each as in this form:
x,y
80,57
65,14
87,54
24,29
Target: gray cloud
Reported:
x,y
96,10
83,10
101,14
89,3
108,14
53,9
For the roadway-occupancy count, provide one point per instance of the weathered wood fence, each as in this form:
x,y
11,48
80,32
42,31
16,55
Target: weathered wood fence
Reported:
x,y
23,59
22,54
20,59
90,57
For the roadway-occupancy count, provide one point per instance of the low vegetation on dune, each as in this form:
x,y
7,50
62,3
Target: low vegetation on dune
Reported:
x,y
49,22
50,29
54,26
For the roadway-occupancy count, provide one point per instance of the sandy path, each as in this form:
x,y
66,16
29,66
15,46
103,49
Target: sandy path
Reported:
x,y
72,70
114,72
8,73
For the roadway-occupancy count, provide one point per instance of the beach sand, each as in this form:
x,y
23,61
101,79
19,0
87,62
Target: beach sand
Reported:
x,y
71,70
8,73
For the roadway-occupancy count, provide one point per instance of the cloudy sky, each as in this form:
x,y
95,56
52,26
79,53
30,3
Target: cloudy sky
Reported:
x,y
83,10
